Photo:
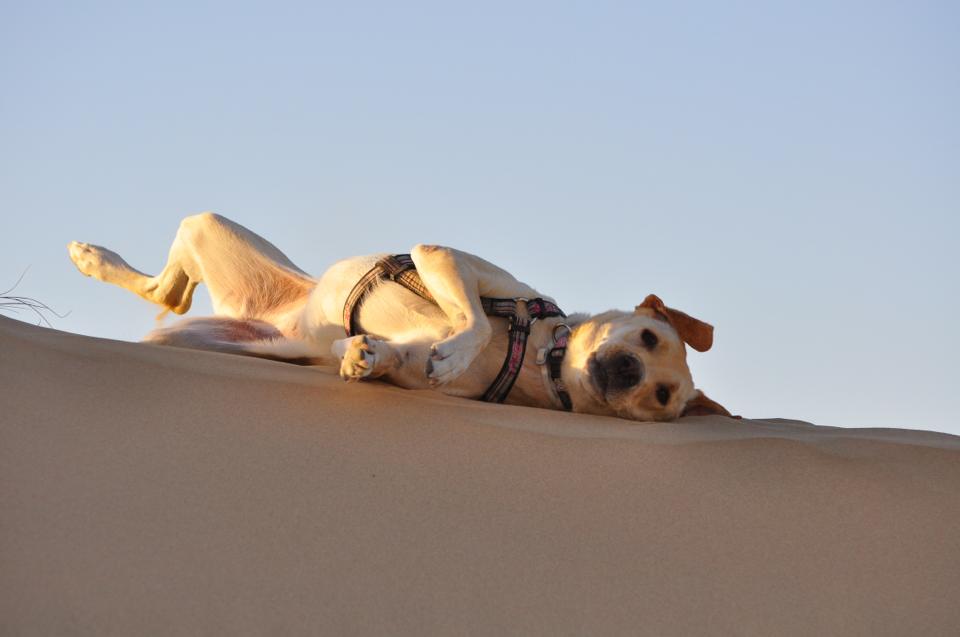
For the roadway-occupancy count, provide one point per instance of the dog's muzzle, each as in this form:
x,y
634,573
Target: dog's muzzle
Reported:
x,y
615,373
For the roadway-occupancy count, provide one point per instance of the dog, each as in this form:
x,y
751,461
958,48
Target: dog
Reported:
x,y
418,321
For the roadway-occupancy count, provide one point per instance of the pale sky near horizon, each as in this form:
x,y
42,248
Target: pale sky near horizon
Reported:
x,y
789,173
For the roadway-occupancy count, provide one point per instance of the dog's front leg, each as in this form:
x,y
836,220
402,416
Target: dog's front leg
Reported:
x,y
364,357
402,363
457,280
452,281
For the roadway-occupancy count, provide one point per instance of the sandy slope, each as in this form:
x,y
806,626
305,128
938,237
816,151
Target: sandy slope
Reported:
x,y
149,491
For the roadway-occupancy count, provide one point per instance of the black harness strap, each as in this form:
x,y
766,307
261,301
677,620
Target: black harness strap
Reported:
x,y
555,358
399,268
521,313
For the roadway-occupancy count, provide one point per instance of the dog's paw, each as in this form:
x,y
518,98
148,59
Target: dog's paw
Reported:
x,y
95,261
451,357
357,357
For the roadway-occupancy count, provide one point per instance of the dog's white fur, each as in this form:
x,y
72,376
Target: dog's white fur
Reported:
x,y
266,306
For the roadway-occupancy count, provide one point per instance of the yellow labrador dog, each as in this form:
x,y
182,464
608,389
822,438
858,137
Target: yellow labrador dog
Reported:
x,y
436,318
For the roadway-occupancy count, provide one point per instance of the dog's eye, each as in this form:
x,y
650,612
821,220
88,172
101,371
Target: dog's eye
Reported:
x,y
663,395
649,339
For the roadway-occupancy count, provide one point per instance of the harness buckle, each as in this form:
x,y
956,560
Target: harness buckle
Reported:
x,y
542,355
524,316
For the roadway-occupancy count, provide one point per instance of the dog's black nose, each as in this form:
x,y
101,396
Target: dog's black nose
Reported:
x,y
623,371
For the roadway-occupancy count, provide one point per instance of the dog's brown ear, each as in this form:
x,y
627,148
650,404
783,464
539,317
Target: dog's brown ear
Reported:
x,y
695,333
700,405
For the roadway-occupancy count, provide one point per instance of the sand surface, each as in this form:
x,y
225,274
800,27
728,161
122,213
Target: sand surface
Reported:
x,y
152,491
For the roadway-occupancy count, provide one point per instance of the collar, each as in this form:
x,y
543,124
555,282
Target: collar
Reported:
x,y
550,360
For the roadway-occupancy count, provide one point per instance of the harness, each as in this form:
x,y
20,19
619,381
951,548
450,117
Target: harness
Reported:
x,y
521,312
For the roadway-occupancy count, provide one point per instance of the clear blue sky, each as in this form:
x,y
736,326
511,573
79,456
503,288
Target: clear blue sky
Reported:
x,y
789,173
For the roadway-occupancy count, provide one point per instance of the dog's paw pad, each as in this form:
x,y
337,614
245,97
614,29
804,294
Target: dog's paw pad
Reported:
x,y
358,359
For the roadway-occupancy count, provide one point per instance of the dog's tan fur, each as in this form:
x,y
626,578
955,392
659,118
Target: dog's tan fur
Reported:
x,y
266,306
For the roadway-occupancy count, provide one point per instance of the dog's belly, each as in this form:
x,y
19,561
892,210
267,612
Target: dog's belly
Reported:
x,y
389,311
392,312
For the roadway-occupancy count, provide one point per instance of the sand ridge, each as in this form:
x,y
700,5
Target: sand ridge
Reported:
x,y
146,490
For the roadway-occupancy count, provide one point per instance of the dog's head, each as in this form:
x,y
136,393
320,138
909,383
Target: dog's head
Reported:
x,y
635,365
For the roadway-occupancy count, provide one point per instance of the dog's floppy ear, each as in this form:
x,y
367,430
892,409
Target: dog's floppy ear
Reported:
x,y
695,333
700,405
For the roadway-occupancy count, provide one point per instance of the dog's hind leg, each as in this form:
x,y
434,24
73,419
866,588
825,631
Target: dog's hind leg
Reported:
x,y
246,337
173,288
248,277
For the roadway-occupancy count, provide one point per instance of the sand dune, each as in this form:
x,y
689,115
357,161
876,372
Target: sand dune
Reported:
x,y
151,491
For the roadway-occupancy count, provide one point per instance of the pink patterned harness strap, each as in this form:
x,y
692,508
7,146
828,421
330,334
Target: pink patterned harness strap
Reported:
x,y
400,268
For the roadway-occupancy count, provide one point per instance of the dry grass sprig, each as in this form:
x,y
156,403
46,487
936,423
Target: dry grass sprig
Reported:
x,y
18,304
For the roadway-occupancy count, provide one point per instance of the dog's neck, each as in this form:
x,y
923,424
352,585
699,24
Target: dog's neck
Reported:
x,y
533,387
